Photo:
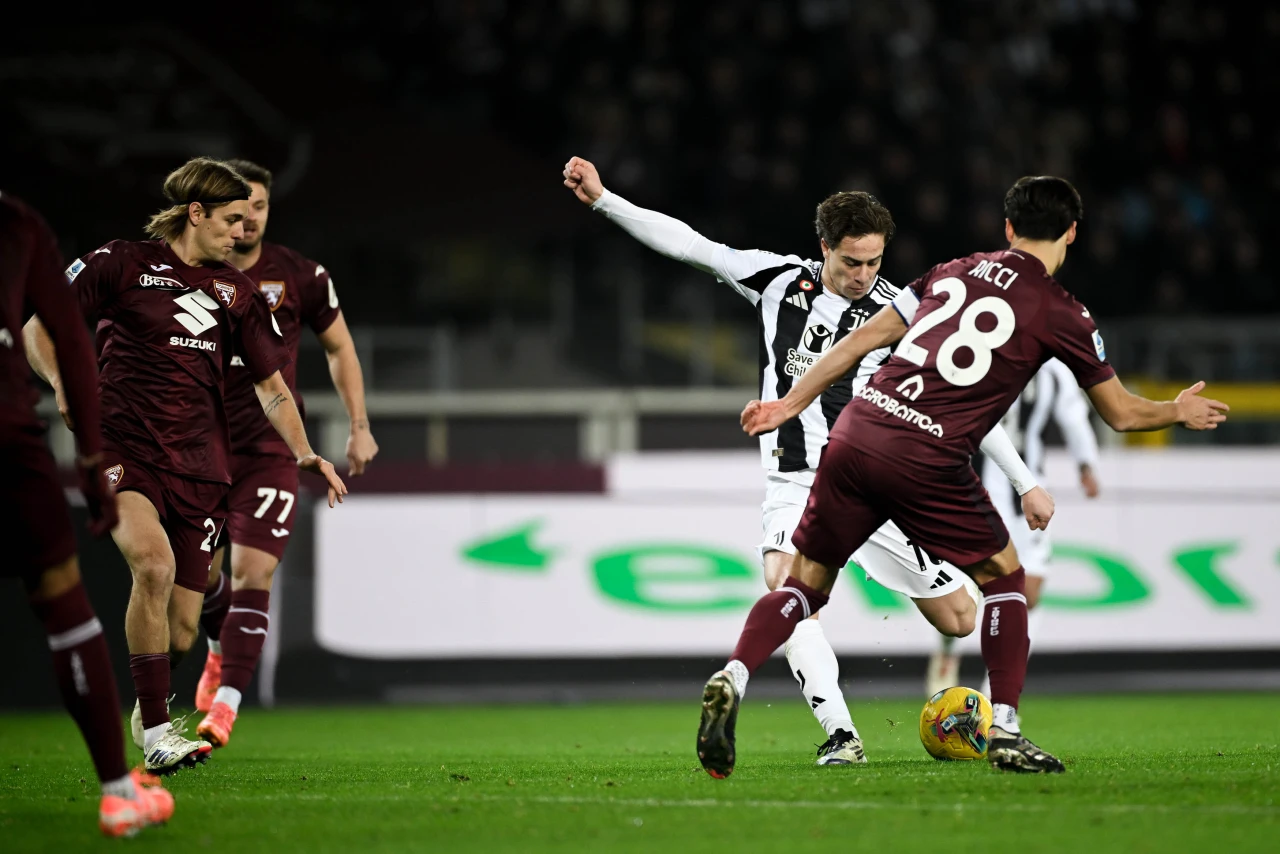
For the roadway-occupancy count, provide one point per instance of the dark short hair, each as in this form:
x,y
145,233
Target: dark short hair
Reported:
x,y
252,172
852,214
1042,207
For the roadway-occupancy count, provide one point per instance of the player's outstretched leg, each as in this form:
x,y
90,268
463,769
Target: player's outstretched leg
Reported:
x,y
1004,649
217,602
82,665
814,665
771,621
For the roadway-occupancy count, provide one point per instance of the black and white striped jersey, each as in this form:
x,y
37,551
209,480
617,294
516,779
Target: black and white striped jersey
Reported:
x,y
799,320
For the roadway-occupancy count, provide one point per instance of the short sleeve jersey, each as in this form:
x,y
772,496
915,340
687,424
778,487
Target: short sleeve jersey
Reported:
x,y
299,291
979,329
166,333
28,259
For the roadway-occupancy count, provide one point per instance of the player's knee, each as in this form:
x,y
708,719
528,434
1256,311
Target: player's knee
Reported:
x,y
256,577
153,573
55,581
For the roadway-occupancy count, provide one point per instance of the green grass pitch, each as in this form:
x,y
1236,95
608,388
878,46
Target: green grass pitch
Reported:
x,y
1156,773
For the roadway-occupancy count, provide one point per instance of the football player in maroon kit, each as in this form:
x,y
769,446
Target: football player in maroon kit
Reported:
x,y
33,512
970,334
170,313
264,478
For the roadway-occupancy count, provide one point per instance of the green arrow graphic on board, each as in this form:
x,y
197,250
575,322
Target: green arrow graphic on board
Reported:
x,y
510,550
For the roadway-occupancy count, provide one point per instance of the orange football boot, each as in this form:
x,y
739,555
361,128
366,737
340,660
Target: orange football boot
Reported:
x,y
210,681
216,727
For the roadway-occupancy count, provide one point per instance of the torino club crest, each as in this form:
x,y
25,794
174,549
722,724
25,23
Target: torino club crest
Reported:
x,y
274,292
226,292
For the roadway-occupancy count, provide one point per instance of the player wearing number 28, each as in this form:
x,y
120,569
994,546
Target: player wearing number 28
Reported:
x,y
264,478
970,334
170,313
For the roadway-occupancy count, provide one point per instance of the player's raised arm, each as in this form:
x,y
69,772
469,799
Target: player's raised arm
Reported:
x,y
886,328
344,369
1126,412
669,236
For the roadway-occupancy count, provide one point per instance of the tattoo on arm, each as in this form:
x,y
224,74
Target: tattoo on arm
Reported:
x,y
274,404
360,424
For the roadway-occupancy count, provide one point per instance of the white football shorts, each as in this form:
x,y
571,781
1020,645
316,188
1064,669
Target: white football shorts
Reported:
x,y
888,558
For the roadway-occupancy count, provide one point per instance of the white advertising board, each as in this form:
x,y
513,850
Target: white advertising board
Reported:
x,y
1174,556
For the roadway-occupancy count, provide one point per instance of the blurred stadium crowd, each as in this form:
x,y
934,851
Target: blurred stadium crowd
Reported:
x,y
737,115
418,149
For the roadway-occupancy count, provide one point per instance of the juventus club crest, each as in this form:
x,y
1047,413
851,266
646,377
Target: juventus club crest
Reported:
x,y
274,292
114,474
818,338
226,292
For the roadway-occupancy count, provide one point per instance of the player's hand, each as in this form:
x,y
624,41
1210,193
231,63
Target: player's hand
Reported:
x,y
361,449
319,465
1199,413
99,497
1088,482
760,417
1037,506
60,397
581,177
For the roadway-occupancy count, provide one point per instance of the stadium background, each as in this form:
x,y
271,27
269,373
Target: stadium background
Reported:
x,y
536,377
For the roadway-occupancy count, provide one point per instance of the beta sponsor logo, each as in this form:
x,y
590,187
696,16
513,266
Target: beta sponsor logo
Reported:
x,y
163,282
896,407
1098,346
74,270
193,343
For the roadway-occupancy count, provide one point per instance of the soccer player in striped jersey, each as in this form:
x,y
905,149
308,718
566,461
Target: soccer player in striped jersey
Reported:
x,y
804,308
1052,393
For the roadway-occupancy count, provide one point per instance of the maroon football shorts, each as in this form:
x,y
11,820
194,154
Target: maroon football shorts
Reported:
x,y
264,492
193,512
946,512
34,518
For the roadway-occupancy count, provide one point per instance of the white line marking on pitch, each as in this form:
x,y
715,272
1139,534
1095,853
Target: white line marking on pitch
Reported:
x,y
715,803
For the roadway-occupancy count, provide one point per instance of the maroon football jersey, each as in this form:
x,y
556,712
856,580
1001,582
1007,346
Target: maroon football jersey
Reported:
x,y
299,291
980,328
31,282
166,334
27,252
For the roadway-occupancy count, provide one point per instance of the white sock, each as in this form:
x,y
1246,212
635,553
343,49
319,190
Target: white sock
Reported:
x,y
153,734
230,696
121,788
813,663
215,647
1005,717
945,643
738,673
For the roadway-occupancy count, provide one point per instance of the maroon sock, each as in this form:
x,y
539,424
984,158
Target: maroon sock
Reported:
x,y
772,619
243,636
1004,636
151,680
88,684
217,602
